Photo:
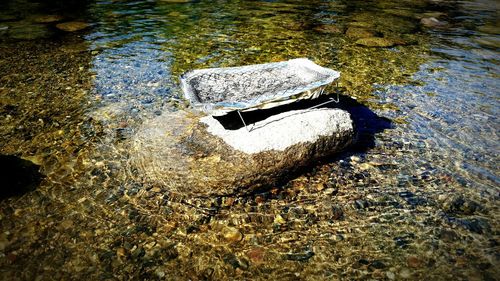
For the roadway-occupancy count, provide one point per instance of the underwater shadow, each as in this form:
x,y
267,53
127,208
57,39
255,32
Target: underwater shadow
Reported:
x,y
366,122
19,176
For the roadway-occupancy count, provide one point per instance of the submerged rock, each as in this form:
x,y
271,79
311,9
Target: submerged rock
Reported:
x,y
376,42
47,18
357,32
190,154
432,22
27,31
72,26
329,28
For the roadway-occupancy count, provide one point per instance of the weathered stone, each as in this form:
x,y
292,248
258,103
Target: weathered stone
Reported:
x,y
182,154
72,26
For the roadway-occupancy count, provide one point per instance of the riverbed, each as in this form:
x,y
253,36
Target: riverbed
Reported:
x,y
416,197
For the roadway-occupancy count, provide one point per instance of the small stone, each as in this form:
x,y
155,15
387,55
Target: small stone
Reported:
x,y
390,275
355,159
357,32
121,252
72,26
279,219
405,273
414,262
66,224
432,22
320,186
328,28
232,234
376,42
160,273
364,166
256,255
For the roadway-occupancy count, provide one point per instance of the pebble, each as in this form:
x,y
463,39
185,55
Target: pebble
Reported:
x,y
405,273
232,234
121,252
390,275
328,28
432,22
256,255
356,33
279,219
414,262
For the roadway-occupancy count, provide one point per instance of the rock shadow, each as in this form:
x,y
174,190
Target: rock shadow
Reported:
x,y
366,122
19,176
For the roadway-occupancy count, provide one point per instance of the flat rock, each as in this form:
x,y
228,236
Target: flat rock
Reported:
x,y
194,155
72,26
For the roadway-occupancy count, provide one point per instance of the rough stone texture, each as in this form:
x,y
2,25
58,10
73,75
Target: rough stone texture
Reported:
x,y
176,151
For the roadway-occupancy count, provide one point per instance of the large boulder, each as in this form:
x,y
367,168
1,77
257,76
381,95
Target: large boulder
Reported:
x,y
195,155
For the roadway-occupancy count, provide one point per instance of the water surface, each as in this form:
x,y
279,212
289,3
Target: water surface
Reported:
x,y
416,198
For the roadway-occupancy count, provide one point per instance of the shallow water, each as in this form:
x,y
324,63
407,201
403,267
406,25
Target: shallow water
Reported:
x,y
416,198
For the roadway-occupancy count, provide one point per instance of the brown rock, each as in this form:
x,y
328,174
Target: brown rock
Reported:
x,y
72,26
256,255
414,262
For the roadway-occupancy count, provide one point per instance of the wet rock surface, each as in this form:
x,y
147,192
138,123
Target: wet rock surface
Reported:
x,y
179,148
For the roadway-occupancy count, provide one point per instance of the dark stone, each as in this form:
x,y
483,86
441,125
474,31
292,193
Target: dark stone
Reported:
x,y
362,204
377,264
232,260
19,176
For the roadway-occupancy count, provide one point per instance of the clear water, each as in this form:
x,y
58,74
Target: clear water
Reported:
x,y
417,198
